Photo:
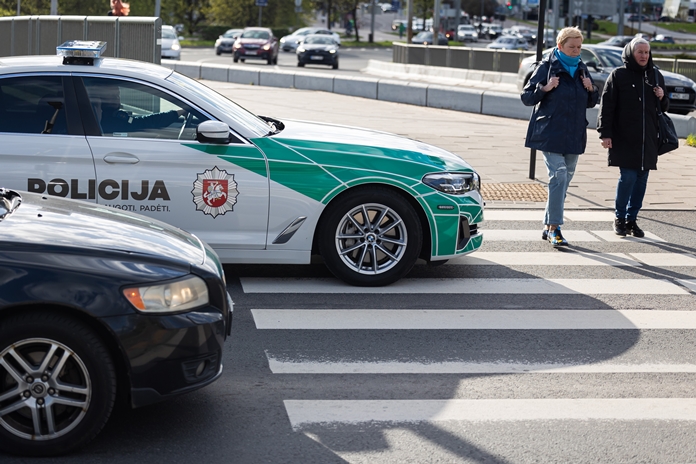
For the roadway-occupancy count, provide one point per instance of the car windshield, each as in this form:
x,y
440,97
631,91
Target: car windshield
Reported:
x,y
249,121
168,34
610,58
319,40
230,34
256,35
505,40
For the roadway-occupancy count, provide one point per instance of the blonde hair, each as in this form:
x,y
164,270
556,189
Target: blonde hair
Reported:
x,y
568,33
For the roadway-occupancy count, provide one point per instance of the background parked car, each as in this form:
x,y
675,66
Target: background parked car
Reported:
x,y
509,42
617,41
289,43
318,49
426,38
98,305
226,41
660,38
171,48
256,43
634,18
601,60
467,33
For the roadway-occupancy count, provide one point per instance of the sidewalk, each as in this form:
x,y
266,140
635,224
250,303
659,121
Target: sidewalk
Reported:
x,y
494,146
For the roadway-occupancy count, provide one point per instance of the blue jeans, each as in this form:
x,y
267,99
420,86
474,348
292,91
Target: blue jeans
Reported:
x,y
561,170
630,192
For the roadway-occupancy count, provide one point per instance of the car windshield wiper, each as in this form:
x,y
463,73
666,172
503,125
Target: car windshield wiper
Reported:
x,y
276,125
9,201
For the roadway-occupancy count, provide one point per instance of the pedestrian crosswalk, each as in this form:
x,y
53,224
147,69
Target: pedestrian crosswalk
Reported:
x,y
622,307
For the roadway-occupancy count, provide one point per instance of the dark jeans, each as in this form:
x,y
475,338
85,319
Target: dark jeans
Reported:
x,y
630,192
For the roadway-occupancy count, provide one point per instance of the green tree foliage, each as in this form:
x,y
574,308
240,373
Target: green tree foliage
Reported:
x,y
473,7
278,14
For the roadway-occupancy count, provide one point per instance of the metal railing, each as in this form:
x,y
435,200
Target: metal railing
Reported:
x,y
459,57
137,38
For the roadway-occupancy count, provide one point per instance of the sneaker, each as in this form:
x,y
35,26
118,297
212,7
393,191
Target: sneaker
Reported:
x,y
556,239
620,227
633,229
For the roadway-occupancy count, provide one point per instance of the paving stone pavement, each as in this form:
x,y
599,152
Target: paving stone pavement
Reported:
x,y
494,146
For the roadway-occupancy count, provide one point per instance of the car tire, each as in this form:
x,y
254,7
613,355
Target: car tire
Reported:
x,y
79,411
367,265
335,65
235,58
300,64
218,52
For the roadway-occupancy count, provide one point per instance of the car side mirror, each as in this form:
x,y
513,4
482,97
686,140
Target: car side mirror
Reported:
x,y
593,65
213,132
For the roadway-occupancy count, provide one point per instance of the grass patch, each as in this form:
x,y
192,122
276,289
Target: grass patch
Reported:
x,y
197,43
689,28
353,43
691,140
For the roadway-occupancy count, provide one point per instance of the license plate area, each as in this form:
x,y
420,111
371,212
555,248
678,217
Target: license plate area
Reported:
x,y
316,57
679,96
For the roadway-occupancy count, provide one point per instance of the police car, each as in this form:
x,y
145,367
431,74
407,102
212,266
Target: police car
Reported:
x,y
142,138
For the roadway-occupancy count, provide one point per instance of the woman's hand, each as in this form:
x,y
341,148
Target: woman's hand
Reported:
x,y
587,83
606,143
552,84
659,93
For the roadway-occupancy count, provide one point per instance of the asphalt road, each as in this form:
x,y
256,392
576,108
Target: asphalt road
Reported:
x,y
518,354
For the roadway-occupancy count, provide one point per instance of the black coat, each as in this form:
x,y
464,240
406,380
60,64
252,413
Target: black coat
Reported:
x,y
558,123
628,114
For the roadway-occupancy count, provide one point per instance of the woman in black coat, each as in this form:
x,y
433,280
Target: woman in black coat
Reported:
x,y
627,125
560,90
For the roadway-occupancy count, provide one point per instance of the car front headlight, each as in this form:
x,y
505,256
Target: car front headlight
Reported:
x,y
454,183
300,50
267,47
170,297
333,50
176,46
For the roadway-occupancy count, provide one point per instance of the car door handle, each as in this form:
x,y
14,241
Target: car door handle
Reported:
x,y
121,158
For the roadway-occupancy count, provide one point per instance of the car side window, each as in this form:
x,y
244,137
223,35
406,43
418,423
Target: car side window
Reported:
x,y
129,109
587,56
32,105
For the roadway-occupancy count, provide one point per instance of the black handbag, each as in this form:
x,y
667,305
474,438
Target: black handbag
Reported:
x,y
667,139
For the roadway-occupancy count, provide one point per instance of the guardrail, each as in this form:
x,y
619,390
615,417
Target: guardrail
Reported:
x,y
137,38
481,59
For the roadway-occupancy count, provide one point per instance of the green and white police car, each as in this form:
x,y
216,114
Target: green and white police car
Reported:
x,y
139,137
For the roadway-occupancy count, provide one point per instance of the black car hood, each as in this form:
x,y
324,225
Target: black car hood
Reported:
x,y
323,47
47,220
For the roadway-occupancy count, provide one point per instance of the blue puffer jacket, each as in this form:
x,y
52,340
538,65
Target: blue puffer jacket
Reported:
x,y
558,123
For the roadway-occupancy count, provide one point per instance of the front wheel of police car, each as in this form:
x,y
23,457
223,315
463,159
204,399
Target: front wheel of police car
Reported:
x,y
371,237
57,384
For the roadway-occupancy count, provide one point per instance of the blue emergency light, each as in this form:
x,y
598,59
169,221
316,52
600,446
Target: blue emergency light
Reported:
x,y
82,52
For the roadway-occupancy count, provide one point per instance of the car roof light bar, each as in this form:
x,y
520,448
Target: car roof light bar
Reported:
x,y
81,52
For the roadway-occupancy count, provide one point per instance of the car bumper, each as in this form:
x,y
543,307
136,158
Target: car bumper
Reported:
x,y
260,54
317,59
171,354
171,54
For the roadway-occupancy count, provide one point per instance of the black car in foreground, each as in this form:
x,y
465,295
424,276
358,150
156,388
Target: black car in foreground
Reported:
x,y
98,304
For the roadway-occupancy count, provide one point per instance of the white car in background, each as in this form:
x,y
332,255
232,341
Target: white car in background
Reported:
x,y
467,33
509,42
171,48
289,43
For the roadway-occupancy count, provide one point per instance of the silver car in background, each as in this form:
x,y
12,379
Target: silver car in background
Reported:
x,y
289,43
171,48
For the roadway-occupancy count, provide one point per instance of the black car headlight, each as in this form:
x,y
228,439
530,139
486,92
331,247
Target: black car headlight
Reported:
x,y
170,297
454,183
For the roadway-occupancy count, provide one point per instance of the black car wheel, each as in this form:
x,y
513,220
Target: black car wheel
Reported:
x,y
335,65
218,52
57,384
300,64
371,237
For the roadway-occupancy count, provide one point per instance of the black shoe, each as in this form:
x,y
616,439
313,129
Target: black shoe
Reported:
x,y
633,229
545,234
620,227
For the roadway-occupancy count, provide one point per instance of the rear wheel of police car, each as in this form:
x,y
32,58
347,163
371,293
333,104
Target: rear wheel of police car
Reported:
x,y
57,384
370,237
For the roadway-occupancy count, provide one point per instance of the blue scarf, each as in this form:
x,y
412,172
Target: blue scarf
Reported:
x,y
570,63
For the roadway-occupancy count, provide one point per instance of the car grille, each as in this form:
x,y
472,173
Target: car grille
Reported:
x,y
252,46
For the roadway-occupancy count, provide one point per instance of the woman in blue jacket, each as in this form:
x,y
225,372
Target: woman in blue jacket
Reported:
x,y
561,90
